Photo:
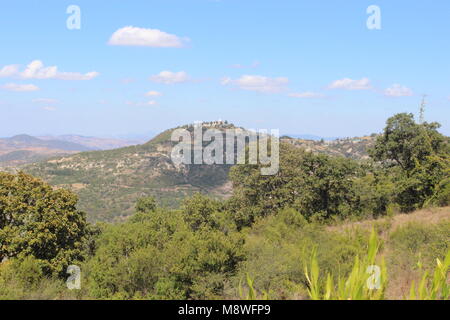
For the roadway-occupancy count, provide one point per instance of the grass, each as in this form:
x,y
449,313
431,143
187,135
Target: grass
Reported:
x,y
366,281
434,288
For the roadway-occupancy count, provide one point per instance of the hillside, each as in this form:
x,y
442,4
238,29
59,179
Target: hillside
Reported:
x,y
426,216
420,223
354,148
109,182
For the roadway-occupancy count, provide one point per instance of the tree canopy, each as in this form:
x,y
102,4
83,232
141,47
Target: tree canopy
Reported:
x,y
38,221
423,156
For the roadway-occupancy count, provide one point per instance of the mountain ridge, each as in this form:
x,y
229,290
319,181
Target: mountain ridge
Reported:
x,y
109,182
94,143
23,149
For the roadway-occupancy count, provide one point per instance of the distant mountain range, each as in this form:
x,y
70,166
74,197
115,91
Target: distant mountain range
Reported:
x,y
95,143
23,149
26,141
109,182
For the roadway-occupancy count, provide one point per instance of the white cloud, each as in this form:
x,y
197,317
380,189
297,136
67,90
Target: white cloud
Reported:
x,y
19,87
9,71
45,100
49,108
305,95
153,94
258,83
133,36
76,75
397,90
169,77
37,70
350,84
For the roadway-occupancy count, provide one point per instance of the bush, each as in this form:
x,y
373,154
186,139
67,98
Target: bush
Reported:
x,y
167,255
24,279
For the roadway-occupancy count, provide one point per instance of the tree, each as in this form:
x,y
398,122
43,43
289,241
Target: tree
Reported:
x,y
315,185
422,154
146,204
40,222
404,142
200,211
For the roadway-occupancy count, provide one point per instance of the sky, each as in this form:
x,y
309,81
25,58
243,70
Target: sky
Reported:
x,y
119,68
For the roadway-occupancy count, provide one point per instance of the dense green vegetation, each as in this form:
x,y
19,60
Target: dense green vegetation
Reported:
x,y
281,234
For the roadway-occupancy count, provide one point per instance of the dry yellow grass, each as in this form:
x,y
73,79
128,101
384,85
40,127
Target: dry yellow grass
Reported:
x,y
399,282
426,216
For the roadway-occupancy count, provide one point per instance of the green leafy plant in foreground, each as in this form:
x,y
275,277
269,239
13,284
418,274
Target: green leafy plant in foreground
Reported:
x,y
251,293
366,281
438,288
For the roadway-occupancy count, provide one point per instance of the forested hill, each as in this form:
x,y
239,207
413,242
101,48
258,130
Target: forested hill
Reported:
x,y
109,182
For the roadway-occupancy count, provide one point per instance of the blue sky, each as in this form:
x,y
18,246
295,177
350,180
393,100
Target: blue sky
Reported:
x,y
298,66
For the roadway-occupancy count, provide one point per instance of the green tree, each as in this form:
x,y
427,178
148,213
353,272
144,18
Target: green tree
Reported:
x,y
422,154
145,205
315,185
201,211
404,142
40,222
